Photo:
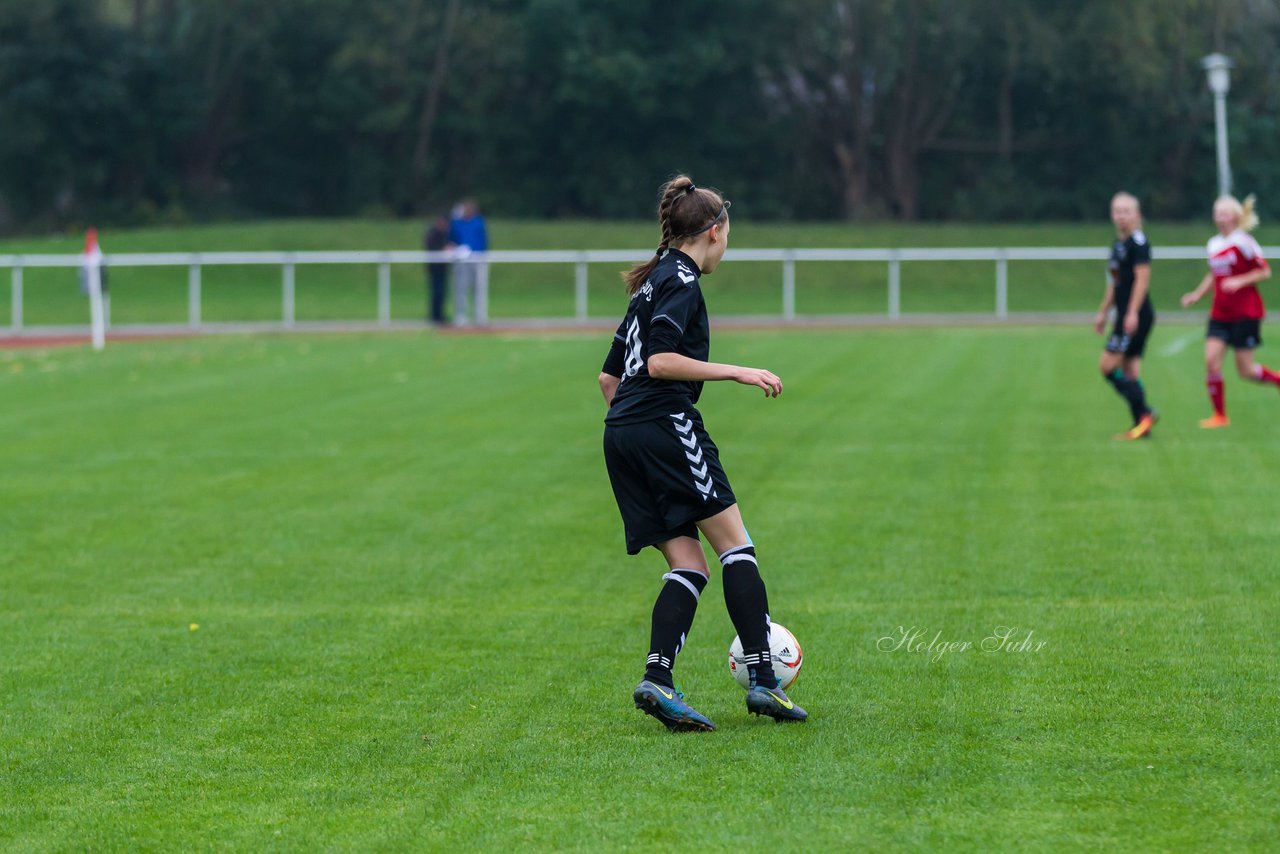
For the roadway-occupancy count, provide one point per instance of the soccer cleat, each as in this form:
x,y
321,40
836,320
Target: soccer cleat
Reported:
x,y
668,706
1141,430
773,702
1215,421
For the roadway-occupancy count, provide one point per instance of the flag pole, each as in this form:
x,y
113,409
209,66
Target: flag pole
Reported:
x,y
93,278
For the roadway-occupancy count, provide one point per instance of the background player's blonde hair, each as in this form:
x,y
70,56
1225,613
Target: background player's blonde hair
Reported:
x,y
1129,197
1246,216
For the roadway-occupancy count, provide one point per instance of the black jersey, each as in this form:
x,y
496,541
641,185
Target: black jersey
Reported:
x,y
1125,255
667,315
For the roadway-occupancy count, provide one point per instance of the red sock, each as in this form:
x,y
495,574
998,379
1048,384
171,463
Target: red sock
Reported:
x,y
1265,374
1216,393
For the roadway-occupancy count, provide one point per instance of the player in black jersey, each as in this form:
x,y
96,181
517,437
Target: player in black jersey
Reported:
x,y
664,468
1128,289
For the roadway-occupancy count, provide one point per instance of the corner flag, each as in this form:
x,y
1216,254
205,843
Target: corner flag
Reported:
x,y
93,277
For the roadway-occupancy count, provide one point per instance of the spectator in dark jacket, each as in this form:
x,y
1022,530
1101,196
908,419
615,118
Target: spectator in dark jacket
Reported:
x,y
437,240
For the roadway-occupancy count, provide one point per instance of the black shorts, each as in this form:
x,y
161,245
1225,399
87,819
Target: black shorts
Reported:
x,y
666,476
1133,345
1241,334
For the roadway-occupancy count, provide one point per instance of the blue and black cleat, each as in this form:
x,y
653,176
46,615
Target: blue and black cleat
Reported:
x,y
668,706
773,702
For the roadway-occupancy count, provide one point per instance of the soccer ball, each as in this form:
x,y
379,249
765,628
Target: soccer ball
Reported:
x,y
784,649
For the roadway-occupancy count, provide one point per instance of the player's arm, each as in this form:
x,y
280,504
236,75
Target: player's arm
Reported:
x,y
1141,285
1201,289
609,386
674,309
614,365
1108,300
673,366
1235,283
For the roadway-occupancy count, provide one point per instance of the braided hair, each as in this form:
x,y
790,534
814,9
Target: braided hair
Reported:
x,y
685,210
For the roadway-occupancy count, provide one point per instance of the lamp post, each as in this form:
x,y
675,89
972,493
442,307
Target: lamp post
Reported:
x,y
1218,68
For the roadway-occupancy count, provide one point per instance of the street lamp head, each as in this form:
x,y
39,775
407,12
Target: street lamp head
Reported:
x,y
1218,67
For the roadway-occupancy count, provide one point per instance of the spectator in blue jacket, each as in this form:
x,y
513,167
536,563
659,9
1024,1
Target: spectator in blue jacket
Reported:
x,y
467,231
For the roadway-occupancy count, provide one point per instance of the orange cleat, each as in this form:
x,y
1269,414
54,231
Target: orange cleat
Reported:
x,y
1141,430
1215,421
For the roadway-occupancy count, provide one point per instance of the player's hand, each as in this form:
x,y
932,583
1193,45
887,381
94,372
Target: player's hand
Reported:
x,y
1099,323
1130,323
1190,299
1231,284
760,378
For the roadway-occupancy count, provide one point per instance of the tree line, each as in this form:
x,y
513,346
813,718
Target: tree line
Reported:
x,y
135,111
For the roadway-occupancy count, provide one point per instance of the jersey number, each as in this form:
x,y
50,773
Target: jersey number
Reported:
x,y
634,361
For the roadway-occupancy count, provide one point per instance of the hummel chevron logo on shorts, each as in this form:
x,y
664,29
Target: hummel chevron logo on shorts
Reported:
x,y
693,452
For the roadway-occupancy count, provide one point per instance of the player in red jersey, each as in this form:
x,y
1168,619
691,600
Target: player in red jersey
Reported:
x,y
1236,266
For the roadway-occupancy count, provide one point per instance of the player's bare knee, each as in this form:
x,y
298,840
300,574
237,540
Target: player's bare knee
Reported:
x,y
685,553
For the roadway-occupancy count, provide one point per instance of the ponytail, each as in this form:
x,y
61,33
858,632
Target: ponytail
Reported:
x,y
1248,216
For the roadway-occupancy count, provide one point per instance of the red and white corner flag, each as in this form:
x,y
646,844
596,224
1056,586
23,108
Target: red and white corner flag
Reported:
x,y
93,277
92,252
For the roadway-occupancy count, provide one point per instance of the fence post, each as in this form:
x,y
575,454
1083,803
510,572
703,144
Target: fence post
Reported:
x,y
1002,284
15,297
895,285
580,288
287,297
384,293
789,285
193,294
97,307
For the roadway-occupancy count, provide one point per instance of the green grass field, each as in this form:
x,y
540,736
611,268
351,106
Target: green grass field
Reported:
x,y
369,593
253,293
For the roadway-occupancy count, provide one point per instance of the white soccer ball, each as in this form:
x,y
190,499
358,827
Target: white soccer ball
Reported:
x,y
784,650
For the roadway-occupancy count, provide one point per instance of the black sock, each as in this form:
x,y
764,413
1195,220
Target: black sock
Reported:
x,y
748,604
1132,392
672,619
1138,407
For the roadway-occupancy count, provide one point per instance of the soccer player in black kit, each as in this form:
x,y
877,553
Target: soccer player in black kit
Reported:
x,y
1129,291
664,468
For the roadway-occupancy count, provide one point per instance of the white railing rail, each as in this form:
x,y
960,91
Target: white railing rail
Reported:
x,y
581,260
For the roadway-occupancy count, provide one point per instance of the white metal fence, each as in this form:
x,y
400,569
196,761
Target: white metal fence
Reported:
x,y
194,262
